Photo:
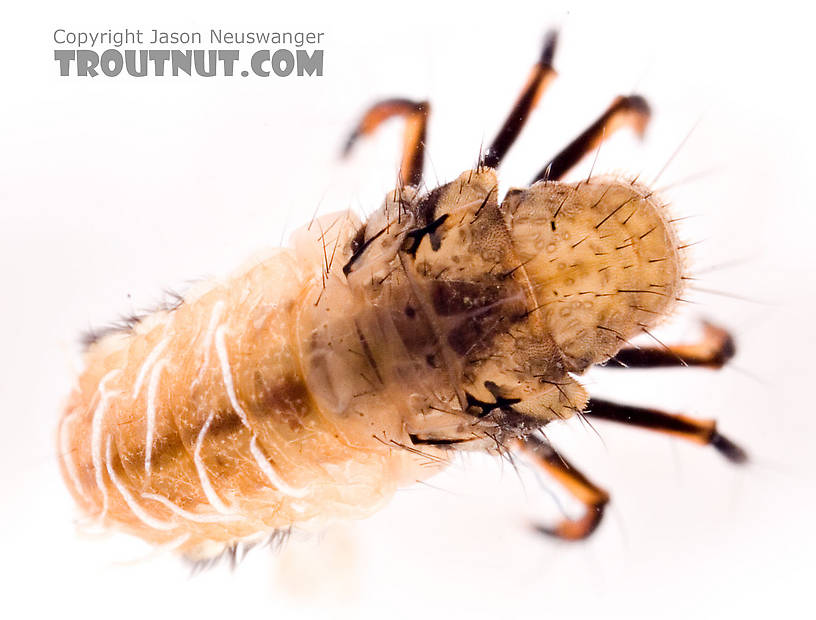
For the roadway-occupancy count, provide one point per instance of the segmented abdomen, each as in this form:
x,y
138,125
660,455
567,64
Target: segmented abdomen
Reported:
x,y
197,427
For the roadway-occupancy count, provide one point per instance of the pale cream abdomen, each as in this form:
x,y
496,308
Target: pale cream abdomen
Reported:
x,y
197,428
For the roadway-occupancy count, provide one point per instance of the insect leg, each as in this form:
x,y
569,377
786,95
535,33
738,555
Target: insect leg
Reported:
x,y
632,111
593,497
540,77
413,147
714,350
703,432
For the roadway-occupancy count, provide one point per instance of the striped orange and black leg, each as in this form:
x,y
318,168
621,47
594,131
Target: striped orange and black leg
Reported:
x,y
591,496
540,77
631,111
703,432
714,350
415,114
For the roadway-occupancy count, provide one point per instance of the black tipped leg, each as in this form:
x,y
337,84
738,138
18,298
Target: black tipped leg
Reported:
x,y
415,114
540,77
703,432
714,350
593,497
632,111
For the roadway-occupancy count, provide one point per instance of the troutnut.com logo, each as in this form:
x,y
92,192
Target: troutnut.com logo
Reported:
x,y
152,52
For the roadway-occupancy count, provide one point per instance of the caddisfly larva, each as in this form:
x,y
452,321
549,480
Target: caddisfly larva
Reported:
x,y
311,385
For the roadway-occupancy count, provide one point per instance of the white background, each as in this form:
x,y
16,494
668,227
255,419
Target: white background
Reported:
x,y
113,189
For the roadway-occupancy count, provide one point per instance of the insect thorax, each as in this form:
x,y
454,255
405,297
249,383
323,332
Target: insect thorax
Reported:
x,y
457,320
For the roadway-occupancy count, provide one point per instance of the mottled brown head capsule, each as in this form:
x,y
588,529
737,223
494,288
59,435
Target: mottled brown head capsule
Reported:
x,y
603,261
313,383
